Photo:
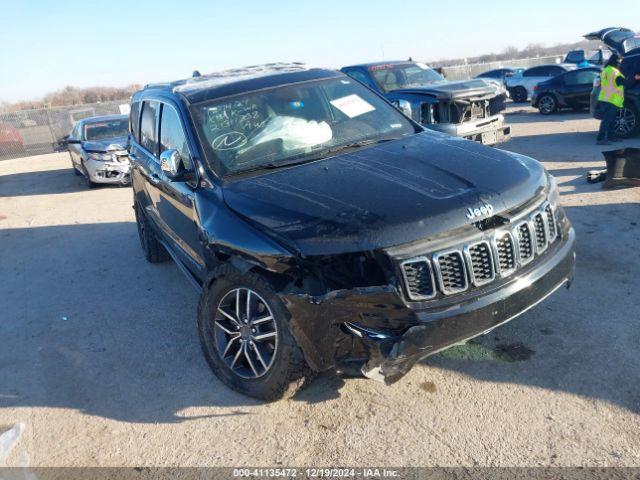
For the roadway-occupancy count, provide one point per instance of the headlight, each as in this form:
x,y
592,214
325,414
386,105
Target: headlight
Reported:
x,y
554,192
101,157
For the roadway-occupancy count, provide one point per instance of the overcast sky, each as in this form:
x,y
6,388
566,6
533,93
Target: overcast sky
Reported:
x,y
46,45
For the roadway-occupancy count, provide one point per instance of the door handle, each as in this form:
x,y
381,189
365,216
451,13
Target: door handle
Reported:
x,y
154,178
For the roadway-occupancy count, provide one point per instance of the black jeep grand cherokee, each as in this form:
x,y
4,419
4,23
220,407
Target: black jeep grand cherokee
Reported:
x,y
325,230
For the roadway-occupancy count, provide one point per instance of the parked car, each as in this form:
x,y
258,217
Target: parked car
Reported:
x,y
521,86
469,109
501,74
567,90
626,43
11,142
325,230
592,57
98,149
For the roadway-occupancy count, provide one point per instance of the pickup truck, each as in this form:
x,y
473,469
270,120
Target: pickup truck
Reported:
x,y
469,109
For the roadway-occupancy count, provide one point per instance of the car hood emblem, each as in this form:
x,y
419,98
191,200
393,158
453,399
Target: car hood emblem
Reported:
x,y
485,210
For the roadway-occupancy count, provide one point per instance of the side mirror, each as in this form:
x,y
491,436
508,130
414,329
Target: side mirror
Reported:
x,y
404,106
171,164
72,140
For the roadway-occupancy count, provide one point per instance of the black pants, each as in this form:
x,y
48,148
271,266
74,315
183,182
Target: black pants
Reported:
x,y
608,123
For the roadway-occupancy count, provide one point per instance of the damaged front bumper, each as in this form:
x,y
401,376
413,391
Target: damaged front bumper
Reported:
x,y
488,131
108,172
376,332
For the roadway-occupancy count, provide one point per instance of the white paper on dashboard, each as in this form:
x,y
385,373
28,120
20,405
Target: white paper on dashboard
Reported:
x,y
352,105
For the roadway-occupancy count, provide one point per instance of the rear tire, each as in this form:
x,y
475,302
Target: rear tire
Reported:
x,y
280,370
547,104
153,250
519,94
628,122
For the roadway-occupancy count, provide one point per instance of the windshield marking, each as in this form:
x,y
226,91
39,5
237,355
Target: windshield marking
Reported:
x,y
229,141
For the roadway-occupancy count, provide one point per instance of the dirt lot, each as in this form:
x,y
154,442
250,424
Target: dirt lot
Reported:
x,y
100,362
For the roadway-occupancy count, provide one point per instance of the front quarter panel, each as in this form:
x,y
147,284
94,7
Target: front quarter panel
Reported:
x,y
228,236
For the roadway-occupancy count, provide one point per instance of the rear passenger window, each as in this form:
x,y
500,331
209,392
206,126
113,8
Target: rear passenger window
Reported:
x,y
172,135
148,133
553,71
134,120
580,77
536,72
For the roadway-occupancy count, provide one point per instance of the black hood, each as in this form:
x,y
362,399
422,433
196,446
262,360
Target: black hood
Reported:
x,y
103,145
453,90
386,195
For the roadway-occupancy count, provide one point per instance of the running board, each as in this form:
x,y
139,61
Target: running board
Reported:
x,y
187,273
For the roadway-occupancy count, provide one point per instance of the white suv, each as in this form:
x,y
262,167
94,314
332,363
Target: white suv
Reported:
x,y
520,87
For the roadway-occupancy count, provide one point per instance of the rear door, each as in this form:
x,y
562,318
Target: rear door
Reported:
x,y
577,87
175,207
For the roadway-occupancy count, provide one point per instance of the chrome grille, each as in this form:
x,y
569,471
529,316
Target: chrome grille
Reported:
x,y
506,253
478,263
451,271
418,278
537,220
525,243
551,223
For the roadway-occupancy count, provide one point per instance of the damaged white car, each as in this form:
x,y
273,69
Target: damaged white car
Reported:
x,y
98,150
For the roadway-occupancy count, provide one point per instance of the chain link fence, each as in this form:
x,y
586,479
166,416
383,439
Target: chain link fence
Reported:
x,y
465,72
33,132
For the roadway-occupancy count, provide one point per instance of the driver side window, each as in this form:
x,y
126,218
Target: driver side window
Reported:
x,y
172,135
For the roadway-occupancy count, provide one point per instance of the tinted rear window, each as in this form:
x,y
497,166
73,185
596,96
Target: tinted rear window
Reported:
x,y
148,133
134,119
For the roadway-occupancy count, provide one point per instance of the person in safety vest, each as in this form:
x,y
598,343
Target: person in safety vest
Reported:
x,y
610,100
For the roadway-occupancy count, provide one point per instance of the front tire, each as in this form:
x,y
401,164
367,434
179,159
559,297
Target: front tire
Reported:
x,y
547,104
245,337
87,178
75,169
153,250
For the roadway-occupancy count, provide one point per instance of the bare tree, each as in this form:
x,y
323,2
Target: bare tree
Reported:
x,y
74,96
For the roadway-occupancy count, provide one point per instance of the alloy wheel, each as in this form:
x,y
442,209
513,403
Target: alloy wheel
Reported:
x,y
547,104
245,333
626,122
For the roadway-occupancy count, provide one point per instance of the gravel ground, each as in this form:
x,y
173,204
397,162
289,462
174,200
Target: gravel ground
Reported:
x,y
100,363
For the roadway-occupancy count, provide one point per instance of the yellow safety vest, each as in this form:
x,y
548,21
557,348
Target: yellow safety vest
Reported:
x,y
610,92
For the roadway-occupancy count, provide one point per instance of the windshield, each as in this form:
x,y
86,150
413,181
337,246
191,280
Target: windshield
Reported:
x,y
396,76
299,122
104,130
